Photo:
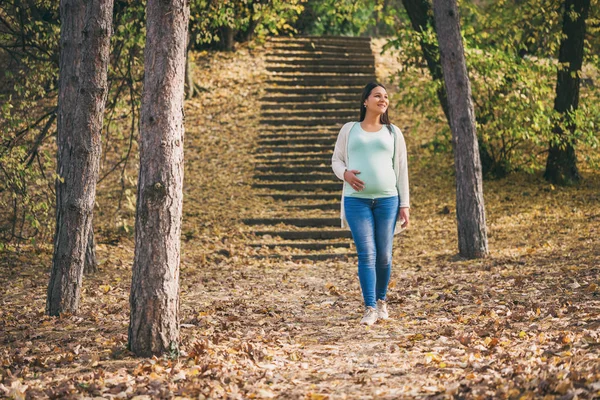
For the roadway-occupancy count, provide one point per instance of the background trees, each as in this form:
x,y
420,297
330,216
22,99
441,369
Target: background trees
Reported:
x,y
511,48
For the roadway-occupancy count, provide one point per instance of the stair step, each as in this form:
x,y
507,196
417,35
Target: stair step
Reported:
x,y
308,234
295,149
307,122
314,98
325,141
301,186
282,169
298,130
321,38
314,135
324,80
315,106
267,138
311,256
323,47
354,90
297,163
320,59
322,206
302,196
316,68
289,114
297,177
303,245
339,41
306,57
294,159
323,256
299,134
299,222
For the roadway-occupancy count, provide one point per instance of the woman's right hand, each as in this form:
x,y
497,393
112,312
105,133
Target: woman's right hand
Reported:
x,y
355,183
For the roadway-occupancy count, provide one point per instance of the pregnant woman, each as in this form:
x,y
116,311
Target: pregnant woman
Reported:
x,y
370,157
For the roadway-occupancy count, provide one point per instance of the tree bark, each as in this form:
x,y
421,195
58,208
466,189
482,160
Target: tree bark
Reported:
x,y
84,56
90,265
190,85
226,36
154,299
470,210
420,15
561,166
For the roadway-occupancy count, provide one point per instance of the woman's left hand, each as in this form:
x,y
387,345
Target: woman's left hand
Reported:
x,y
404,215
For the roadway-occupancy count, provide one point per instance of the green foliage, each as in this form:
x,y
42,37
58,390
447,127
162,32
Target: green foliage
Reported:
x,y
29,43
208,18
511,57
349,17
29,51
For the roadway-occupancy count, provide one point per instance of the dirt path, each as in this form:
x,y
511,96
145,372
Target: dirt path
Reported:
x,y
523,323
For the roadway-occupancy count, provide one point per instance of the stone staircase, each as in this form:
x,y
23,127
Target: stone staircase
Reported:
x,y
314,88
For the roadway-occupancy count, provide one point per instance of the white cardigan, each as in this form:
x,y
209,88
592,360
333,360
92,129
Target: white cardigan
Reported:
x,y
339,165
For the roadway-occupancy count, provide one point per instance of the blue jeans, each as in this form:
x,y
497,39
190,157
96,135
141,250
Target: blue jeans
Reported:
x,y
372,222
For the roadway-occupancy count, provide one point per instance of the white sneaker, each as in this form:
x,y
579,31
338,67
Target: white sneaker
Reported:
x,y
370,316
382,311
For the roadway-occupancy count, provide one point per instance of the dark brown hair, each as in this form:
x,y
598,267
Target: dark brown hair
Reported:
x,y
384,118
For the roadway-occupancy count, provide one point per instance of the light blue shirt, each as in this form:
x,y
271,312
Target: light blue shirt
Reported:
x,y
372,154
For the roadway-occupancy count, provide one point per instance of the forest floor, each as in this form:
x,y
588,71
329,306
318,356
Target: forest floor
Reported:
x,y
523,323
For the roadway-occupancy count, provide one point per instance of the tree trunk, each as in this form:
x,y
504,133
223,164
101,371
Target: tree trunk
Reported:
x,y
226,36
561,166
470,211
90,265
154,299
420,15
190,85
84,56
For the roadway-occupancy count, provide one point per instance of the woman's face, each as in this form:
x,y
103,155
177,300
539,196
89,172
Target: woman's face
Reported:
x,y
377,101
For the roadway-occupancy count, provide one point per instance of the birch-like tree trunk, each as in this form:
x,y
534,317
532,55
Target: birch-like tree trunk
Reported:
x,y
154,299
470,210
84,55
561,166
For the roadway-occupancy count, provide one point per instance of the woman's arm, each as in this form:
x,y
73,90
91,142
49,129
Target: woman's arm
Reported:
x,y
338,160
403,189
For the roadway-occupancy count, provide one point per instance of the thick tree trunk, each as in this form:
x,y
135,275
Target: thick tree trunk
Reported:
x,y
470,210
84,56
90,265
561,166
154,299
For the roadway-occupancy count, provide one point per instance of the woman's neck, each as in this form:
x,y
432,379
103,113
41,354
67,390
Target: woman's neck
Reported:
x,y
372,120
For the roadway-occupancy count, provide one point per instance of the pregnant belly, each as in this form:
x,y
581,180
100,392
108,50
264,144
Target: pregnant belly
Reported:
x,y
378,181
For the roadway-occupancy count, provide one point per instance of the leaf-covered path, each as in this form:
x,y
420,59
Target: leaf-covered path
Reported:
x,y
523,323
